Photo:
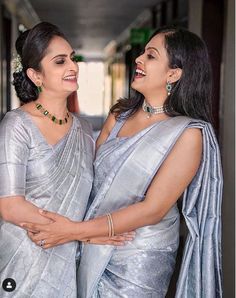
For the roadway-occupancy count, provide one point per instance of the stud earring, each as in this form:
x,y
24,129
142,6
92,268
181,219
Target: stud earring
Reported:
x,y
168,88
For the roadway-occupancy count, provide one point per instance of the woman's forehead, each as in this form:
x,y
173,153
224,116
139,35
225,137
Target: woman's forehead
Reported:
x,y
57,46
156,40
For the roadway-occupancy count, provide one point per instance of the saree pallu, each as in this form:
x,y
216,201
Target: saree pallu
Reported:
x,y
143,267
57,178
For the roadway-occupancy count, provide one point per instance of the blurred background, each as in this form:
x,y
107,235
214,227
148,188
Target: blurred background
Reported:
x,y
107,35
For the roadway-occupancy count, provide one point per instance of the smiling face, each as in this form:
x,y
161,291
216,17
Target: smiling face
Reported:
x,y
152,70
59,70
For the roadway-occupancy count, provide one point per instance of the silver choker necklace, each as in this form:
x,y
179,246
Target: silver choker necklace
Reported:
x,y
147,108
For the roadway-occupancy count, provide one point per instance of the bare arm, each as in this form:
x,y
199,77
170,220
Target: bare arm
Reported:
x,y
16,209
171,180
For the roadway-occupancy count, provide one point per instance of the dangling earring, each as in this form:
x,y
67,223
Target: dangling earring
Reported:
x,y
168,88
39,89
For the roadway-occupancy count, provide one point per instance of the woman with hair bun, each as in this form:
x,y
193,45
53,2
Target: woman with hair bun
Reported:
x,y
46,161
154,147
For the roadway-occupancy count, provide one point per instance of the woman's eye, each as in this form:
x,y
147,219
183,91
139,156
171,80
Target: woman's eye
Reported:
x,y
61,61
150,56
74,59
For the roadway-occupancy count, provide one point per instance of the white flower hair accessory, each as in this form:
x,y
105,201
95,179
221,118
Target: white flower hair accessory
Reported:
x,y
17,65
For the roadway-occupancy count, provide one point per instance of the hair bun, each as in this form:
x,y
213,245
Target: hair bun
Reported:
x,y
32,46
25,88
21,41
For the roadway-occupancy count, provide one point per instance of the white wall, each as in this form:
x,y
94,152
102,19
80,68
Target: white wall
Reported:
x,y
91,88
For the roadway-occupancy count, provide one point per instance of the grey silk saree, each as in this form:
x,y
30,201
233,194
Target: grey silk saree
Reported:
x,y
57,178
124,168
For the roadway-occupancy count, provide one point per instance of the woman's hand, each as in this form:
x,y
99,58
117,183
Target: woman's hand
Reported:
x,y
118,240
61,229
48,235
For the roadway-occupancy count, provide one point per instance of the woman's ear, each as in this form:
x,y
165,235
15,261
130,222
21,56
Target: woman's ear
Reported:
x,y
174,74
34,76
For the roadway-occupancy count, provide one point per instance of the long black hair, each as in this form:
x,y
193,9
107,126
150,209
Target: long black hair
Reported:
x,y
191,94
31,47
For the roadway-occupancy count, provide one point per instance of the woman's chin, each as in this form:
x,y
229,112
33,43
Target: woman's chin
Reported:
x,y
72,89
134,86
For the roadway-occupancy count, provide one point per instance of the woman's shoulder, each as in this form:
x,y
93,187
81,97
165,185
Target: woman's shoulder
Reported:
x,y
13,123
200,124
109,123
191,122
192,135
13,118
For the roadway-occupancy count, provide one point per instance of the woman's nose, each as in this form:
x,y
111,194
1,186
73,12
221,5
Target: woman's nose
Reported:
x,y
139,60
74,66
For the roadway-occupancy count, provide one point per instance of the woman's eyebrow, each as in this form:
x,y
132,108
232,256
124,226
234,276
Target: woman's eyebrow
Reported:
x,y
153,48
63,55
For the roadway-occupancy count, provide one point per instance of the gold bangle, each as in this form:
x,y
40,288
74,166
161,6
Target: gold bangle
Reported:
x,y
111,225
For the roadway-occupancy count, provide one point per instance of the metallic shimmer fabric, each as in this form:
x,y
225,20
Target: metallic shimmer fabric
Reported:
x,y
124,168
57,178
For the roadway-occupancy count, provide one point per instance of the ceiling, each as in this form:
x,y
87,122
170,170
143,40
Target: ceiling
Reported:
x,y
91,24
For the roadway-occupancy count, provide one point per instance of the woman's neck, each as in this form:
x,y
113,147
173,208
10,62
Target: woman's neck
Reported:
x,y
56,106
155,100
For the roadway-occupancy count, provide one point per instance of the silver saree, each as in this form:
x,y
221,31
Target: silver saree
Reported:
x,y
57,178
124,168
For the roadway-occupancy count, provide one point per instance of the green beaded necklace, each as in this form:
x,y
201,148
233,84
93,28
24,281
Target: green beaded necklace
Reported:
x,y
50,116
